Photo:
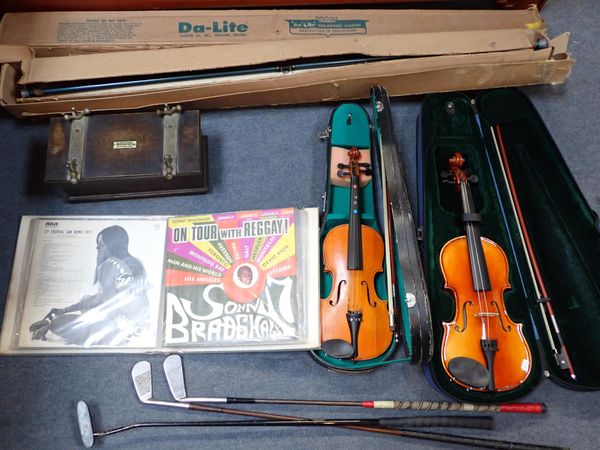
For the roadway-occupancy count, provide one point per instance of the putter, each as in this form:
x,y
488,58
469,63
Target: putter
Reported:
x,y
88,434
85,424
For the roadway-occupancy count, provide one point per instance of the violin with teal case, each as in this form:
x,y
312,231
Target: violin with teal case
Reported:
x,y
526,201
367,229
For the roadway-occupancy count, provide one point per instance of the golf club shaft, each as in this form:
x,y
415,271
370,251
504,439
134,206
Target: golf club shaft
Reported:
x,y
142,379
448,438
173,368
482,422
529,408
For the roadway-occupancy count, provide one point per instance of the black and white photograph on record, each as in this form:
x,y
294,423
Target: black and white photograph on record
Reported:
x,y
93,283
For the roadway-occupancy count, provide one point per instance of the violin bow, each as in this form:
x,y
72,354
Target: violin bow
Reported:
x,y
389,253
505,218
402,233
543,300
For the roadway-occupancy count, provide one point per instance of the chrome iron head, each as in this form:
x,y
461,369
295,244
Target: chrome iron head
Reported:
x,y
174,374
173,367
141,375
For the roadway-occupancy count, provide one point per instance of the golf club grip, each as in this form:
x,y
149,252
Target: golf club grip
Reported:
x,y
479,422
526,408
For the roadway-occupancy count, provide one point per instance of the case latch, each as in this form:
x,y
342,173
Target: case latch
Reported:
x,y
74,165
170,139
420,234
324,135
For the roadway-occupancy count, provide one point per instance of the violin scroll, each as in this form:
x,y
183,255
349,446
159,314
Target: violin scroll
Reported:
x,y
355,168
456,161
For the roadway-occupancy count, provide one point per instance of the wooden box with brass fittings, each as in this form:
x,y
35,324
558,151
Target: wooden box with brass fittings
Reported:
x,y
127,155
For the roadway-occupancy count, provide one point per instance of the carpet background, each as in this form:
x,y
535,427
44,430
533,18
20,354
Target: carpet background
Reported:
x,y
266,158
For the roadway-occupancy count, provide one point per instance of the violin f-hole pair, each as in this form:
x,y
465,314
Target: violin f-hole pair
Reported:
x,y
354,320
482,348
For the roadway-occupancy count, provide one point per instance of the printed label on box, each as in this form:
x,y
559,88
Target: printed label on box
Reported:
x,y
327,26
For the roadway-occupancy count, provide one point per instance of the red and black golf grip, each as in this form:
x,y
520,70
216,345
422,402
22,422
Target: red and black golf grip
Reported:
x,y
447,438
523,408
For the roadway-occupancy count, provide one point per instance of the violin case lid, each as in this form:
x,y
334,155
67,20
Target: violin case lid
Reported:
x,y
562,227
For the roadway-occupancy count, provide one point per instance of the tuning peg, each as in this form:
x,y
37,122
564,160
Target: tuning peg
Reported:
x,y
445,174
341,173
368,171
473,179
342,166
364,164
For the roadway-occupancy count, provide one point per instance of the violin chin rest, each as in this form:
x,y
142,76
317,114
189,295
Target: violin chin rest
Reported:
x,y
338,348
469,371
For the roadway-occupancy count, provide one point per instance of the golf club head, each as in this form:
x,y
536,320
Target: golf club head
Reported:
x,y
142,380
174,374
85,424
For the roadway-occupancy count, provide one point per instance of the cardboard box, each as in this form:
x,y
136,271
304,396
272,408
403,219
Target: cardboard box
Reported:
x,y
143,62
407,63
56,33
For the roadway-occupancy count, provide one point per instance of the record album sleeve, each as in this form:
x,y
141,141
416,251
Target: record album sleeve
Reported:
x,y
85,284
241,281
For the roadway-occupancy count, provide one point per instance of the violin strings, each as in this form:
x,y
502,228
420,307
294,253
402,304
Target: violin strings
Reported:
x,y
472,243
353,303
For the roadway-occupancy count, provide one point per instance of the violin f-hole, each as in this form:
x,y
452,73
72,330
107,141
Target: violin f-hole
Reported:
x,y
507,328
464,314
366,285
338,295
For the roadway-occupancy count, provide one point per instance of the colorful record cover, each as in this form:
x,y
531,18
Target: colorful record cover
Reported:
x,y
231,280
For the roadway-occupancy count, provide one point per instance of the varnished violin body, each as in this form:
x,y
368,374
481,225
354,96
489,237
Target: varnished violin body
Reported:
x,y
353,290
462,335
354,320
482,348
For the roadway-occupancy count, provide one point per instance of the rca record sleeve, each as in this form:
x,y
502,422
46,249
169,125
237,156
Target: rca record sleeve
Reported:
x,y
85,284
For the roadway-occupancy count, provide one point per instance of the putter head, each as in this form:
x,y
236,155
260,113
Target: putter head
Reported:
x,y
142,380
174,374
85,424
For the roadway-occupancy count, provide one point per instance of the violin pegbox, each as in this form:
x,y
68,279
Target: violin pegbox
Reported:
x,y
456,174
340,166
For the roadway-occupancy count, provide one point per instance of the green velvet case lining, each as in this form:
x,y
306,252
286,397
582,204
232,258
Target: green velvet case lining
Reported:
x,y
338,202
562,228
559,221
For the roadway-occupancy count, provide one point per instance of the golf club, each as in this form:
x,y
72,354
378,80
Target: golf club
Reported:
x,y
142,381
142,378
173,368
88,434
